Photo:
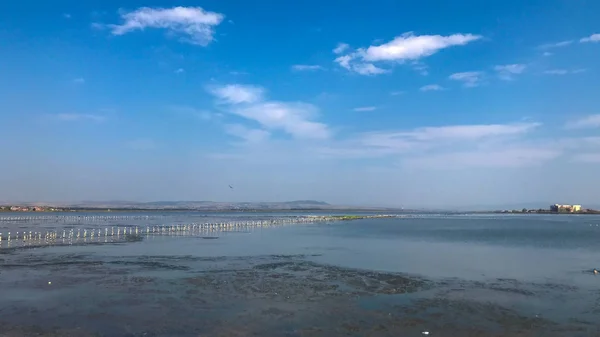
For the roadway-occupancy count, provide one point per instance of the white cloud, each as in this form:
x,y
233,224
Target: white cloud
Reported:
x,y
470,78
563,71
368,69
360,68
70,117
365,108
180,71
432,87
407,47
238,93
591,121
247,134
193,24
591,38
464,132
506,72
344,61
413,47
556,44
294,118
306,67
79,80
341,47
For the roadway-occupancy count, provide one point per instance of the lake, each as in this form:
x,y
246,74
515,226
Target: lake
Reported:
x,y
449,275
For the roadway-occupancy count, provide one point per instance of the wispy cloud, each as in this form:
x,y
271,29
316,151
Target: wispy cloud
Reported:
x,y
238,93
79,80
180,71
563,71
507,72
66,15
591,38
306,67
247,134
368,69
365,108
193,25
466,132
438,141
420,68
397,93
469,79
432,87
72,117
556,44
407,47
360,68
341,47
294,118
591,121
510,157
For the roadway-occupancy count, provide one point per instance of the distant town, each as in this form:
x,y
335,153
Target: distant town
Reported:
x,y
555,209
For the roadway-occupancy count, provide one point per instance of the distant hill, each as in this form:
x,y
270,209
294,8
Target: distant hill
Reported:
x,y
215,205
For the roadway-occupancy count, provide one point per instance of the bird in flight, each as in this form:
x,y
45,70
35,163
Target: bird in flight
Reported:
x,y
230,186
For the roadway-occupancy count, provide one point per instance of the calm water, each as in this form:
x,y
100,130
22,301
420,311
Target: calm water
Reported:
x,y
528,247
557,250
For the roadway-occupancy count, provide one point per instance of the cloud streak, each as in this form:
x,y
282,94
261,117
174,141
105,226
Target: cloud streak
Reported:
x,y
71,117
365,108
237,93
560,44
406,47
469,79
293,118
306,67
563,71
507,72
193,25
511,157
431,87
591,38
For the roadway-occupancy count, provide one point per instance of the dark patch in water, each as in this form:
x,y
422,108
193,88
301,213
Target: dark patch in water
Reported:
x,y
278,295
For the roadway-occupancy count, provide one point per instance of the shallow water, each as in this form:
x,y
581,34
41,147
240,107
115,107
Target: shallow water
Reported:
x,y
452,275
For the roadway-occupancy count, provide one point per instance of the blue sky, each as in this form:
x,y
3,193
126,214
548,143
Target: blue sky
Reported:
x,y
412,103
